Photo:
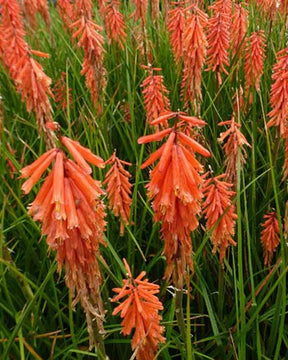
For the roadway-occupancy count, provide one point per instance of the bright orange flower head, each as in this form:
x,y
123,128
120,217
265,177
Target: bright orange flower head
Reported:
x,y
219,37
175,188
270,236
235,141
139,311
66,11
279,93
119,189
254,61
176,27
155,94
92,43
239,28
71,213
219,212
114,23
194,50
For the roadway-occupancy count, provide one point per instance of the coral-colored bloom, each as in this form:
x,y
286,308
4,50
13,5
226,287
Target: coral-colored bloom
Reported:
x,y
175,189
31,81
139,311
114,23
66,11
155,94
71,213
176,26
279,93
92,43
119,189
239,28
235,142
254,61
32,7
219,37
270,236
219,212
194,50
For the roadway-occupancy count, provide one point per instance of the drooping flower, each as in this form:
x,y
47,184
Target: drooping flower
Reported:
x,y
279,93
71,213
239,28
270,236
254,62
119,189
176,27
155,94
139,311
175,189
114,23
235,142
194,50
219,212
218,37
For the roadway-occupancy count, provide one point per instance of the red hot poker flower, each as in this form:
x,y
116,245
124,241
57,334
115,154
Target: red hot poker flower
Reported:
x,y
119,189
139,311
219,37
114,23
176,27
239,28
71,213
175,189
219,212
154,92
279,93
235,142
270,236
254,61
194,44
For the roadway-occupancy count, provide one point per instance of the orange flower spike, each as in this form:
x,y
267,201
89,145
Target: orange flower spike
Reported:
x,y
35,171
176,27
270,236
254,62
219,38
194,50
119,190
65,9
154,92
239,28
154,137
114,23
279,93
220,213
235,140
140,311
